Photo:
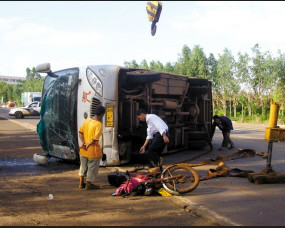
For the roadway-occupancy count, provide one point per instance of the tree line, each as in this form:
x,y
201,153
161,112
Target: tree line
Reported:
x,y
242,86
32,83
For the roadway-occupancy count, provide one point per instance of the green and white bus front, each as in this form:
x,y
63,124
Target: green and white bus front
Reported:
x,y
68,98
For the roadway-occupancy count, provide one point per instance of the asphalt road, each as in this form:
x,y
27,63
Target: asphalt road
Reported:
x,y
28,121
20,162
231,201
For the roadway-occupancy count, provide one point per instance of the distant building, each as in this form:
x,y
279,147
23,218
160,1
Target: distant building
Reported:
x,y
12,80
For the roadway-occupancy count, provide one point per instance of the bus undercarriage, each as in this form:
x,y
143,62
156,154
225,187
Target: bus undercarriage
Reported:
x,y
185,104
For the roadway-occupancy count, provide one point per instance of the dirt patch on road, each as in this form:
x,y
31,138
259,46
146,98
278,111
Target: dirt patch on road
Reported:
x,y
25,201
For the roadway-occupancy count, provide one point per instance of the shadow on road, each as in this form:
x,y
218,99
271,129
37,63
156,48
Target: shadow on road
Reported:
x,y
28,167
17,147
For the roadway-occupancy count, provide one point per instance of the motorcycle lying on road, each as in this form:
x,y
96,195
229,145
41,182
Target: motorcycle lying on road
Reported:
x,y
175,179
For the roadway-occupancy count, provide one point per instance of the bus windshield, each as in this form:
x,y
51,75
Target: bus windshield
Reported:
x,y
57,128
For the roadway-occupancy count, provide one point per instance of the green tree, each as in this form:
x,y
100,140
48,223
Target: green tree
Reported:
x,y
234,90
132,64
10,92
242,69
32,74
261,75
169,68
182,65
279,92
33,82
242,99
197,63
144,64
3,91
225,73
211,64
156,65
243,76
17,90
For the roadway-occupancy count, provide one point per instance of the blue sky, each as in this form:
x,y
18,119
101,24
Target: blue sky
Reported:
x,y
75,33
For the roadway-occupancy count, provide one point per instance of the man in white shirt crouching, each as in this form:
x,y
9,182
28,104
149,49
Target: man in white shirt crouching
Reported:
x,y
157,133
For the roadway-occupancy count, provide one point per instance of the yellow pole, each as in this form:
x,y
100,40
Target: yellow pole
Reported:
x,y
273,115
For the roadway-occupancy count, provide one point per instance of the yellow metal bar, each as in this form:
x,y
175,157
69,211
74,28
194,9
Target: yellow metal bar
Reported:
x,y
273,133
273,116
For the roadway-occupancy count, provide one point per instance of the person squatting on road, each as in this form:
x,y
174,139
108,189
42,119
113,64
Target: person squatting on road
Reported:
x,y
157,134
90,150
225,125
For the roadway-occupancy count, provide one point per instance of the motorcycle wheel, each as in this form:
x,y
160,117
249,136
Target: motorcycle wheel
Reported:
x,y
187,183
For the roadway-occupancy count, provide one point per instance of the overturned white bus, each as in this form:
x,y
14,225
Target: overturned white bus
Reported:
x,y
69,96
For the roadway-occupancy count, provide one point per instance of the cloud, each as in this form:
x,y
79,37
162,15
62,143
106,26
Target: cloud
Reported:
x,y
26,44
235,25
36,34
6,24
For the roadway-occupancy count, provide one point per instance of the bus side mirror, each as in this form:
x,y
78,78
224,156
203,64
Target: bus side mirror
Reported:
x,y
43,68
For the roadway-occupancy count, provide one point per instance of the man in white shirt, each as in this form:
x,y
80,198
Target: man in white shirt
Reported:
x,y
157,133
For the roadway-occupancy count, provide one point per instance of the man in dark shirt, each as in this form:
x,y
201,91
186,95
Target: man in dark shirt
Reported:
x,y
225,125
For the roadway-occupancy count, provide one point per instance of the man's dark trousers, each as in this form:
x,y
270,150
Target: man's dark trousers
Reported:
x,y
227,140
155,149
